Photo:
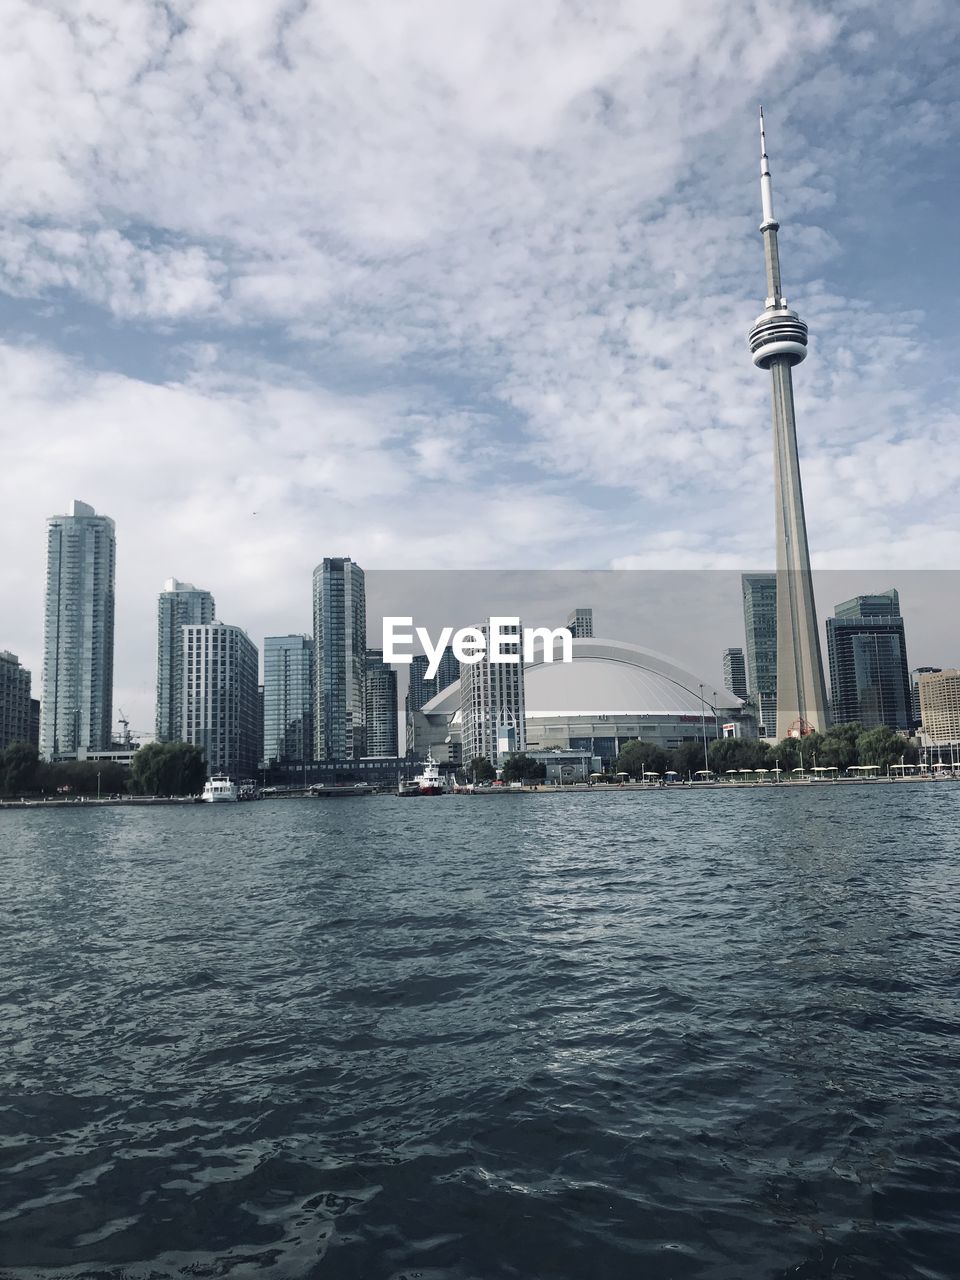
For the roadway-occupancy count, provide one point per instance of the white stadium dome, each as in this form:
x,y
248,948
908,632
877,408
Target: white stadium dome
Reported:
x,y
605,678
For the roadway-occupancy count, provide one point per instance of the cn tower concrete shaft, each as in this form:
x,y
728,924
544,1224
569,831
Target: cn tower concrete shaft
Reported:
x,y
778,341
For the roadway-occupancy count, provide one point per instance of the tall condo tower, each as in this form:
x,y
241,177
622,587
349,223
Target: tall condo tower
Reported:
x,y
340,659
77,707
492,704
180,604
778,341
219,692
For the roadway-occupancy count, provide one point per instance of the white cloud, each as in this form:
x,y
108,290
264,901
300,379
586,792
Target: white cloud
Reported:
x,y
421,280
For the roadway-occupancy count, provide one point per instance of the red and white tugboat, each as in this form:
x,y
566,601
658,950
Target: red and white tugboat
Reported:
x,y
430,782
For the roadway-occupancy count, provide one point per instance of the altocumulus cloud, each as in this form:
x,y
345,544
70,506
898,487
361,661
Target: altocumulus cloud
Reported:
x,y
453,285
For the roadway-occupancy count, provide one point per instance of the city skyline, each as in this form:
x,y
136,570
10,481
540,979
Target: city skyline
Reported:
x,y
933,597
326,368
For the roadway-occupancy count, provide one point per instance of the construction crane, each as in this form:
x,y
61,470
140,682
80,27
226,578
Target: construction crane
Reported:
x,y
127,736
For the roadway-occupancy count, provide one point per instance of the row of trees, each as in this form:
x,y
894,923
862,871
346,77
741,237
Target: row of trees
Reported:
x,y
159,769
841,746
517,768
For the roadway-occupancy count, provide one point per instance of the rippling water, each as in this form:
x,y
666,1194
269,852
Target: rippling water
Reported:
x,y
658,1036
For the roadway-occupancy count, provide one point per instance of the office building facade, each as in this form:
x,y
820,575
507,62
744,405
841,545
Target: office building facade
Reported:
x,y
735,672
15,701
915,675
940,706
760,626
381,696
869,672
288,698
179,605
340,658
492,709
220,697
78,635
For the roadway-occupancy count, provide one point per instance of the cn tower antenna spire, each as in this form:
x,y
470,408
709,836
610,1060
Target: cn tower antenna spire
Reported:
x,y
766,187
778,341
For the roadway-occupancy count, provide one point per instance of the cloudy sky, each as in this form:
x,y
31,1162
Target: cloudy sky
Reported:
x,y
437,284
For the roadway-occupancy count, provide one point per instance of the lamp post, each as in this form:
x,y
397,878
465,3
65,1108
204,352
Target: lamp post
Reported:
x,y
703,729
98,784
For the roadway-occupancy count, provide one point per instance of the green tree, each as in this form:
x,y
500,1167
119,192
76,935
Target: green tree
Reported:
x,y
738,753
638,757
838,746
885,747
522,768
688,758
19,769
480,770
168,769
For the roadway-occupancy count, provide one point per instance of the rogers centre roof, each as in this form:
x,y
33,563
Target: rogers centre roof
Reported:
x,y
606,677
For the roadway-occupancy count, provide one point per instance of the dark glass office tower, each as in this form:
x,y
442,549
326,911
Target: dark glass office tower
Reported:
x,y
288,699
869,673
760,626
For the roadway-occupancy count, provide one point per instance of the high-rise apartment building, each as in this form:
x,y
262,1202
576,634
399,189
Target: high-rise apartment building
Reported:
x,y
492,705
381,697
915,675
179,605
448,670
735,672
419,691
580,623
15,700
940,706
220,697
869,672
77,703
760,625
340,657
288,698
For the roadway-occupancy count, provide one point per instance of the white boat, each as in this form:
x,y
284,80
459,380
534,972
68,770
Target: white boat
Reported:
x,y
430,782
219,788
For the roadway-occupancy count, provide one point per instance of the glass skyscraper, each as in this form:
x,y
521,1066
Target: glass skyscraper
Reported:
x,y
288,698
77,704
180,604
869,673
760,625
340,659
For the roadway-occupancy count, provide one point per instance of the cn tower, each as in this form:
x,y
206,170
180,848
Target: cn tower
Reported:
x,y
778,341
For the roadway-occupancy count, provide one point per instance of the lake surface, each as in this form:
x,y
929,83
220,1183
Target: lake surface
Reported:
x,y
654,1036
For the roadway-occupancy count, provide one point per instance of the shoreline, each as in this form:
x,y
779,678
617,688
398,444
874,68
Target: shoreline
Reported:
x,y
576,788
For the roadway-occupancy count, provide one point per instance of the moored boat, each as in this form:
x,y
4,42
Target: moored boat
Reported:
x,y
430,781
219,788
